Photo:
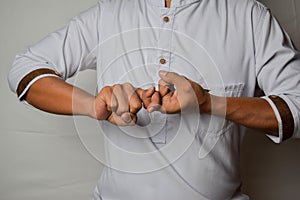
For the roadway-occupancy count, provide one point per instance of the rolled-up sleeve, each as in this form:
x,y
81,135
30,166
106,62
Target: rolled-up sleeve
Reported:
x,y
278,74
62,53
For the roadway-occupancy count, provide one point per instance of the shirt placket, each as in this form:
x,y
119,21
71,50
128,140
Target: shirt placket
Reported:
x,y
163,60
165,38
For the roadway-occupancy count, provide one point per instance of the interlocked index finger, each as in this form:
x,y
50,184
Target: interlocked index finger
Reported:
x,y
163,88
135,103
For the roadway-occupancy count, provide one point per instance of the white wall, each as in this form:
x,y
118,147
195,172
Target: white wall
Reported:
x,y
41,154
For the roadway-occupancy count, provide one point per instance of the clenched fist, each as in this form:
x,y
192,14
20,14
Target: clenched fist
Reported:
x,y
119,103
179,94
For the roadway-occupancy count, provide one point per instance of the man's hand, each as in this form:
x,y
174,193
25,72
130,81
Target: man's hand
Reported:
x,y
179,94
151,99
119,103
190,96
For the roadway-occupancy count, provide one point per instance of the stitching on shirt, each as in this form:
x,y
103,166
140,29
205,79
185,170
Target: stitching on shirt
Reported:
x,y
98,24
260,23
259,28
171,47
78,68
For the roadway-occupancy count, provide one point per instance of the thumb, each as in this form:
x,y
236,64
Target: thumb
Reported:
x,y
171,77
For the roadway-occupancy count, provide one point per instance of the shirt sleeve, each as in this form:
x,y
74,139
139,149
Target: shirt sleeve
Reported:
x,y
62,53
278,73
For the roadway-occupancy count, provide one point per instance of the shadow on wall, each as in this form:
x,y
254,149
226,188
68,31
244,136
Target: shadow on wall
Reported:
x,y
288,14
270,171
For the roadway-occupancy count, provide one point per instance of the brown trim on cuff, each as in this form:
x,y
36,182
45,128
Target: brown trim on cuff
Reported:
x,y
29,77
286,116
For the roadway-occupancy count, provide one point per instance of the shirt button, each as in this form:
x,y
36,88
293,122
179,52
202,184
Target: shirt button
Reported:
x,y
166,19
162,61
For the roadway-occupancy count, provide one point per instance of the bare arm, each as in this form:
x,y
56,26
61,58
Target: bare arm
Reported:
x,y
250,112
54,95
118,104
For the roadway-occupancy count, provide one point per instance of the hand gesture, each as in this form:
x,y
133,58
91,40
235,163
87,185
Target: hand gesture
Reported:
x,y
119,103
179,94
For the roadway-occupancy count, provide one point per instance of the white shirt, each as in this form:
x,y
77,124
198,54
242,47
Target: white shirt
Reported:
x,y
226,46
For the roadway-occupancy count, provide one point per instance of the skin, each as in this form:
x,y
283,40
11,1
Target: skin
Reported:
x,y
251,112
168,3
117,104
120,103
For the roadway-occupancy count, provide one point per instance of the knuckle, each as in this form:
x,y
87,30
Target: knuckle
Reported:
x,y
141,95
117,87
127,86
136,105
106,89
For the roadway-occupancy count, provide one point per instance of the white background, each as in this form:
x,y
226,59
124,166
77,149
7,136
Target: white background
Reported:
x,y
41,156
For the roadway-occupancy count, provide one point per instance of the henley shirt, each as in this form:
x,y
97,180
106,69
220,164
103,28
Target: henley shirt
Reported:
x,y
229,47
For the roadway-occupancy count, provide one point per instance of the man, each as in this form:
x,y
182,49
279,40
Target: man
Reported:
x,y
194,66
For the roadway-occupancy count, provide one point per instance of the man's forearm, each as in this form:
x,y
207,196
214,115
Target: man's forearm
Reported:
x,y
250,112
53,95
